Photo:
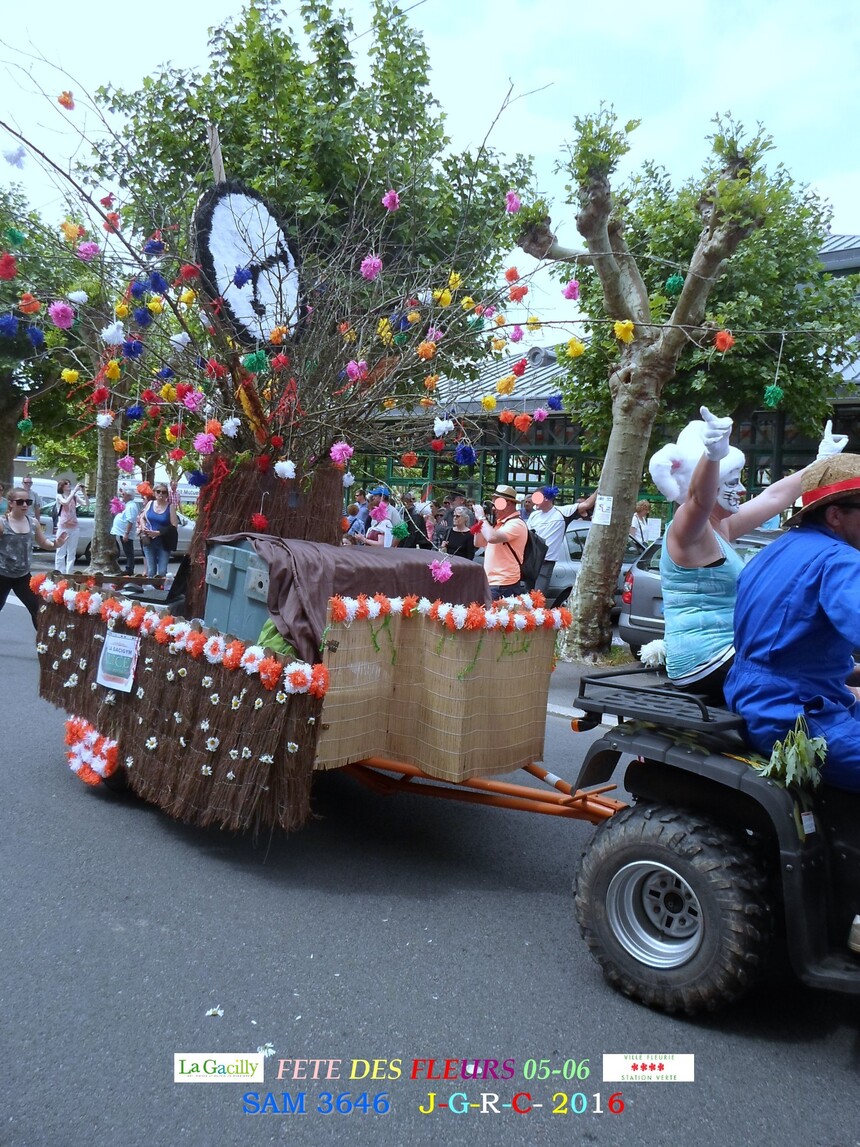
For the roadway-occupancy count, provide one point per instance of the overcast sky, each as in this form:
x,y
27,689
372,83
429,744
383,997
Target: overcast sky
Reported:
x,y
791,65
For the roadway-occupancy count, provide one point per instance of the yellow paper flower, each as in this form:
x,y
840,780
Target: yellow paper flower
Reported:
x,y
426,350
168,392
533,323
427,402
467,303
499,320
121,310
70,231
188,297
443,298
624,330
506,385
431,381
575,348
155,306
348,333
488,402
112,370
279,335
414,316
169,435
455,281
70,376
389,403
384,332
120,445
498,344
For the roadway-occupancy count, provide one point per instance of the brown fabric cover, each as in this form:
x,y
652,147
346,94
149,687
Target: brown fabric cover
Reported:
x,y
304,575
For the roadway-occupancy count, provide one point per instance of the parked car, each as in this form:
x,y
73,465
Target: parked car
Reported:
x,y
185,528
566,571
641,617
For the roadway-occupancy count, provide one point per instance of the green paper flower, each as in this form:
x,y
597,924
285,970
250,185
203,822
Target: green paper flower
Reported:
x,y
25,425
257,362
15,237
674,284
773,395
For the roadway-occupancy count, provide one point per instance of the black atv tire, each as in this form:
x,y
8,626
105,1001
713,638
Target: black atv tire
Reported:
x,y
674,908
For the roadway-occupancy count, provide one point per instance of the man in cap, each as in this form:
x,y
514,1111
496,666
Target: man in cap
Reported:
x,y
505,542
550,522
381,495
797,624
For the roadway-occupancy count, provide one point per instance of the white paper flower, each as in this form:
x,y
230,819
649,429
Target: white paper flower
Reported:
x,y
212,743
231,776
281,697
113,334
215,698
206,770
258,704
181,340
204,724
230,427
284,469
72,682
151,742
105,419
267,759
348,480
78,297
441,427
41,647
246,754
292,747
16,157
234,754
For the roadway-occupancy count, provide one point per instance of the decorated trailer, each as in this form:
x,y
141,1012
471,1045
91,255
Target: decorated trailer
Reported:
x,y
372,667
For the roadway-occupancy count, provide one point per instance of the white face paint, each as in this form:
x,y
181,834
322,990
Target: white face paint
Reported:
x,y
731,491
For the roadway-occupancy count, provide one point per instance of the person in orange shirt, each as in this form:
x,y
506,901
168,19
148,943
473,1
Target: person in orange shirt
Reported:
x,y
505,542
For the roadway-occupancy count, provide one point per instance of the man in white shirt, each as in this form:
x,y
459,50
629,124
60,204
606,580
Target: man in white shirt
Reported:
x,y
550,522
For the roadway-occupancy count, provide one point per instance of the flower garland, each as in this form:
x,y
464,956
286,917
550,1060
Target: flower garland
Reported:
x,y
92,756
182,637
525,612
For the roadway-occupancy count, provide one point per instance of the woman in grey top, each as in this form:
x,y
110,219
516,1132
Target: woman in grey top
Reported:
x,y
17,532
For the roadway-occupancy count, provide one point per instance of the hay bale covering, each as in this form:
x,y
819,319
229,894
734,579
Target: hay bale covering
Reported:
x,y
460,704
257,775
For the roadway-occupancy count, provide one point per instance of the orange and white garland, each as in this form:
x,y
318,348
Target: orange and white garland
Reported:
x,y
91,755
186,637
525,612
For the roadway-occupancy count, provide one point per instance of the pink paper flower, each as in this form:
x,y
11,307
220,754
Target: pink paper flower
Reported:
x,y
441,571
516,334
379,513
116,505
371,265
540,415
434,334
356,370
571,291
391,200
340,453
126,464
62,315
87,251
204,443
194,400
512,203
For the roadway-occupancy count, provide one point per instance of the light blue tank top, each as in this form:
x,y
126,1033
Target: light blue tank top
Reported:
x,y
698,606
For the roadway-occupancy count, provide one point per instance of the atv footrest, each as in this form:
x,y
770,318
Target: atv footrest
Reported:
x,y
641,695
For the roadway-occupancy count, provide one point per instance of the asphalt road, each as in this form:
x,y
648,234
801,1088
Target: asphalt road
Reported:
x,y
390,928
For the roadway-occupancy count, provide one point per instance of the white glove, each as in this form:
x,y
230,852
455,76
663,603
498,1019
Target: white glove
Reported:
x,y
716,435
831,443
478,511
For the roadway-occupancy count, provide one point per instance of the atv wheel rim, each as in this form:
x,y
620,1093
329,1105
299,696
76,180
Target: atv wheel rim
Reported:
x,y
654,914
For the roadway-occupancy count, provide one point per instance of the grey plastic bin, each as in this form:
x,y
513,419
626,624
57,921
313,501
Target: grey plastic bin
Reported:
x,y
237,589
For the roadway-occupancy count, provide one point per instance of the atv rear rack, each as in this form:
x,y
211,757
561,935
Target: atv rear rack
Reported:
x,y
644,695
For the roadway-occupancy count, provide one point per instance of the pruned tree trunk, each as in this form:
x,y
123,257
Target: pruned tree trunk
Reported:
x,y
9,416
103,557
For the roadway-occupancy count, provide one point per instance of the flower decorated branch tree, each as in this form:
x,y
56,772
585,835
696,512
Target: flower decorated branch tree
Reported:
x,y
663,348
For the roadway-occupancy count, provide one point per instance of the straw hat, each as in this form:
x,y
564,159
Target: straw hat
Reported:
x,y
506,492
827,481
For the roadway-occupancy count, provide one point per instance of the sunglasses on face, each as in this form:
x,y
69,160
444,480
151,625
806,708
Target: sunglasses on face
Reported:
x,y
23,501
161,490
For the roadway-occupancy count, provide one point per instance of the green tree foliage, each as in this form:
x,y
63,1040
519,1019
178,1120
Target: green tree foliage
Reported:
x,y
773,284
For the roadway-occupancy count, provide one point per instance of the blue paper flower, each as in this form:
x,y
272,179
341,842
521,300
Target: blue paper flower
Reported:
x,y
165,373
142,316
158,284
139,288
36,337
153,247
197,477
464,455
133,413
554,402
132,348
8,326
242,276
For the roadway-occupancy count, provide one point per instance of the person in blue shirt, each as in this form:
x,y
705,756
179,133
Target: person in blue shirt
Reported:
x,y
797,625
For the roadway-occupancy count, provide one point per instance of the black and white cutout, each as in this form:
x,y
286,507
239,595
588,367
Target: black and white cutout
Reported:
x,y
236,230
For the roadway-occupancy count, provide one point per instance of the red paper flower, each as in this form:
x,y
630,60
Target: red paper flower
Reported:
x,y
319,681
188,271
519,368
8,266
153,411
176,455
270,670
100,394
512,274
263,464
111,222
215,369
522,422
277,440
280,362
107,200
182,388
29,304
507,416
66,100
149,396
723,341
259,523
438,444
409,459
517,294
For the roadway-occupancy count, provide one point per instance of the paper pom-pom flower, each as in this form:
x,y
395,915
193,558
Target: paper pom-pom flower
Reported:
x,y
61,314
541,414
99,395
442,426
132,347
624,330
86,252
522,422
488,403
66,100
204,443
105,419
176,455
29,304
519,368
113,334
773,395
512,274
390,200
356,371
340,453
518,293
230,426
533,323
259,522
438,445
8,267
348,480
180,340
194,400
441,570
371,266
25,425
723,341
674,285
575,347
571,290
36,337
256,362
8,326
426,350
515,334
241,276
464,455
506,417
197,477
285,469
70,376
506,385
554,402
134,413
111,222
126,464
409,459
116,505
513,203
